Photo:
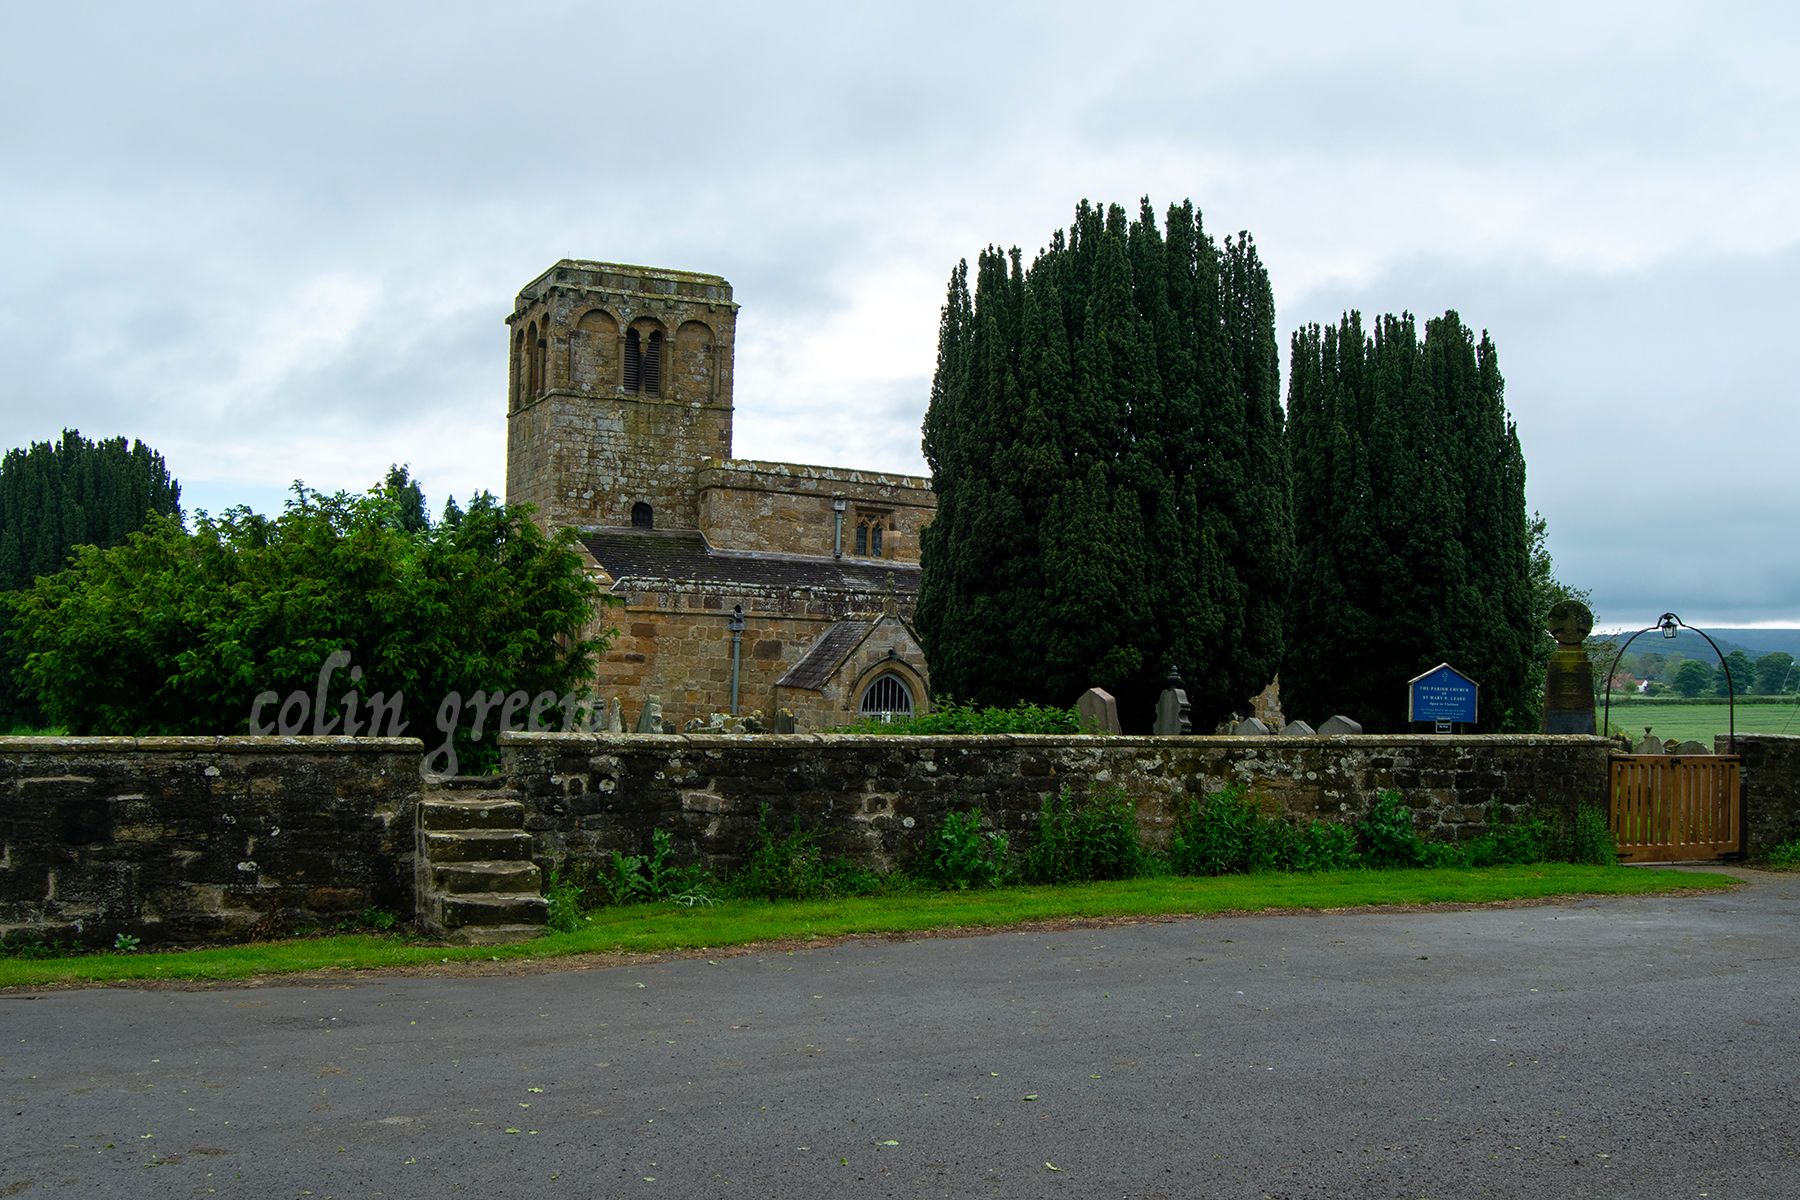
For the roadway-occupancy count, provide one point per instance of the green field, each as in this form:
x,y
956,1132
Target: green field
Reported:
x,y
1701,720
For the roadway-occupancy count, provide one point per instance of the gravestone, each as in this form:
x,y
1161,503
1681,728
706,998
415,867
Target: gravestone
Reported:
x,y
1251,727
651,719
1297,729
615,716
1098,712
1338,725
1569,678
1173,714
1650,744
1693,747
785,721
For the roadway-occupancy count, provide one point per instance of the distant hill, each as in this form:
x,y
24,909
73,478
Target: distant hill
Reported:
x,y
1687,644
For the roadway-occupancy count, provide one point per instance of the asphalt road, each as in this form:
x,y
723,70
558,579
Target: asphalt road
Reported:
x,y
1628,1048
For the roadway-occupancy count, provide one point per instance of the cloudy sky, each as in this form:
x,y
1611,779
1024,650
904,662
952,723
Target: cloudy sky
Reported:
x,y
278,243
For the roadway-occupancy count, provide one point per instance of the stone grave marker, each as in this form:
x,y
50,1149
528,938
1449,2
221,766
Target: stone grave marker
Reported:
x,y
1297,729
651,719
1650,745
1098,712
615,716
1251,727
1173,714
1339,725
1569,677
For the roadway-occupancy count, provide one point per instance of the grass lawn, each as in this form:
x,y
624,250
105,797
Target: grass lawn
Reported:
x,y
1702,719
652,929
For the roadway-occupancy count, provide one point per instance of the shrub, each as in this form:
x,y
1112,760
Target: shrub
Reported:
x,y
1518,843
1387,836
1326,846
1078,840
960,856
1215,835
950,717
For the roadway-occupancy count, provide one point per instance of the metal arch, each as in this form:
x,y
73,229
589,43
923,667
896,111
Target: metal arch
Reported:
x,y
1670,621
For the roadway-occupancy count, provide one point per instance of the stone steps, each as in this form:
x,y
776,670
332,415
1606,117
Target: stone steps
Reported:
x,y
477,882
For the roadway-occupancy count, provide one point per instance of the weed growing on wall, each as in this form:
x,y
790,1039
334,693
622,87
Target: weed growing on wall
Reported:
x,y
1786,855
646,878
1079,839
1591,837
1227,833
960,856
1387,834
563,897
794,867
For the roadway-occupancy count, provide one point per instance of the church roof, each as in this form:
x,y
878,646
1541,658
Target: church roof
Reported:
x,y
827,654
639,557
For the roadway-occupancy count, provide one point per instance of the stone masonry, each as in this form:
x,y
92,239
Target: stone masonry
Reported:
x,y
874,799
201,839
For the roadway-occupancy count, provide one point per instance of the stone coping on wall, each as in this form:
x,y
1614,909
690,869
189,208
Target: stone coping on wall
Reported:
x,y
704,741
222,744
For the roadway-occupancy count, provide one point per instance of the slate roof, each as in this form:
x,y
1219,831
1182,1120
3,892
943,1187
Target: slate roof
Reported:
x,y
641,556
827,654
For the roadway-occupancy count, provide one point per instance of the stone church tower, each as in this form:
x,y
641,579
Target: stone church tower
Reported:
x,y
619,393
742,586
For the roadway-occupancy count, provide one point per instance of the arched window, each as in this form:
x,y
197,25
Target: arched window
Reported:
x,y
887,697
534,355
653,364
642,517
634,361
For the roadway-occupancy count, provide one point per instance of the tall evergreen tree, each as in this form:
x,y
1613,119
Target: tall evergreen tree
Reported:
x,y
57,495
1107,446
1414,545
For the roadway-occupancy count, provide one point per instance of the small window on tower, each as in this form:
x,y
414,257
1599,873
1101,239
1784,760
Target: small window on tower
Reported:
x,y
653,364
634,360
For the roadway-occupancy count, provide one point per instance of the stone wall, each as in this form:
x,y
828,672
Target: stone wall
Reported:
x,y
200,839
875,798
1771,788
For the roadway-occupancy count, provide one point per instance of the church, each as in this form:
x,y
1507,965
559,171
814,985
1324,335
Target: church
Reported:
x,y
745,587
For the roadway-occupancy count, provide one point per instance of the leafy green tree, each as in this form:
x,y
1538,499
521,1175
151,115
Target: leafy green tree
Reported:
x,y
178,633
1412,538
1743,675
1693,677
1107,445
1775,673
55,496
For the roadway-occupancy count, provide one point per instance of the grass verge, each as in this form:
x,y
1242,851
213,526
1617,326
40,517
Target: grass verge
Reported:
x,y
651,929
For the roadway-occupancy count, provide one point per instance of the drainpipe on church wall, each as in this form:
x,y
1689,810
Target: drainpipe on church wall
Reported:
x,y
736,624
838,505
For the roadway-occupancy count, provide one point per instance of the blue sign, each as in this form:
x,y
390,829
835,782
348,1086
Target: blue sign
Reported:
x,y
1442,694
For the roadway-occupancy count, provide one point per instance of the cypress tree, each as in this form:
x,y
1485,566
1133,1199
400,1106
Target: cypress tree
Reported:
x,y
1106,442
57,495
1413,543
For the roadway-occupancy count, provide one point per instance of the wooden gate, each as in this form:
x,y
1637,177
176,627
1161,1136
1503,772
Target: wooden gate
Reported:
x,y
1676,807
